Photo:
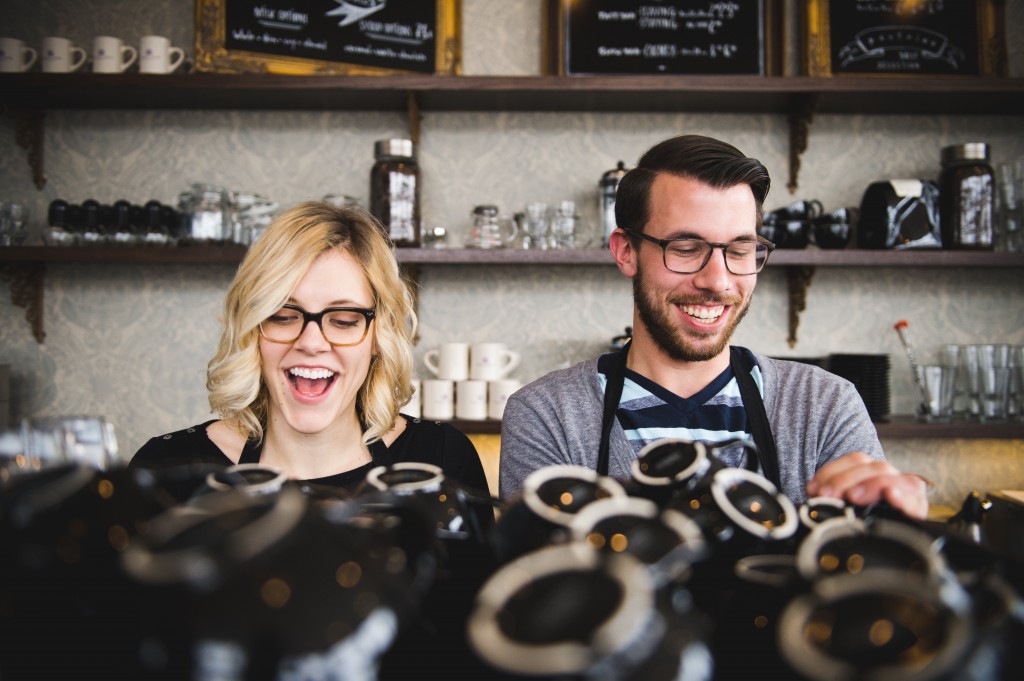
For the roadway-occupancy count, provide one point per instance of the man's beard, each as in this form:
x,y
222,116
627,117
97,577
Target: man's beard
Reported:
x,y
661,327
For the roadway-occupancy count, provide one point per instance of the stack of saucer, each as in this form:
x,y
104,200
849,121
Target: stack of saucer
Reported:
x,y
870,375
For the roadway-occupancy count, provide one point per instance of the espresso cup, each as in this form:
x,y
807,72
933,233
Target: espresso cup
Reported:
x,y
498,393
491,361
60,55
111,55
806,209
16,56
438,399
156,55
449,362
471,400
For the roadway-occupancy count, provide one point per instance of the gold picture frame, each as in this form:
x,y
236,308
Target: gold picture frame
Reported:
x,y
915,39
302,23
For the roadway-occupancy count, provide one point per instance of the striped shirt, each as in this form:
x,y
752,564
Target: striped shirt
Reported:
x,y
649,412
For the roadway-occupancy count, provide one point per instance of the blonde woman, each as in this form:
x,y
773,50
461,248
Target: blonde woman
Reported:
x,y
315,361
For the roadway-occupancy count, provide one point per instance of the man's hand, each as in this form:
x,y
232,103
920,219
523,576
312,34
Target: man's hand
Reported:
x,y
861,480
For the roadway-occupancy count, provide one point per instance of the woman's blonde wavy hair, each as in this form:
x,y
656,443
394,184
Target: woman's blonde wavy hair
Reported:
x,y
266,278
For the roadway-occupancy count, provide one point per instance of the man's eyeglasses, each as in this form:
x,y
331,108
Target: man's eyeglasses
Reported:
x,y
340,326
689,256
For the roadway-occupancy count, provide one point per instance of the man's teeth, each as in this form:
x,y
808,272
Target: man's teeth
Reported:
x,y
704,313
313,374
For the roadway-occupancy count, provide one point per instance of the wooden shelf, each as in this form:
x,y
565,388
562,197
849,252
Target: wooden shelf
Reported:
x,y
232,254
906,426
897,427
844,95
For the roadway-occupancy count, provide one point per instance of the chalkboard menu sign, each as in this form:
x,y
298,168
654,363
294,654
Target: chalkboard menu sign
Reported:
x,y
327,36
896,37
655,37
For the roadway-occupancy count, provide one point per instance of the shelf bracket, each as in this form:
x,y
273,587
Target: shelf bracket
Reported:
x,y
800,116
798,280
26,282
413,112
29,133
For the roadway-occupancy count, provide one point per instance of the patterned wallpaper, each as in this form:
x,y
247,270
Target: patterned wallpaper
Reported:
x,y
132,341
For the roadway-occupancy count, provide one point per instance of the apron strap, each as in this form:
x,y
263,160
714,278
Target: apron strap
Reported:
x,y
758,418
612,395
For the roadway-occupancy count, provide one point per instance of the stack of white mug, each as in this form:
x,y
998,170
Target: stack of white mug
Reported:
x,y
110,54
471,382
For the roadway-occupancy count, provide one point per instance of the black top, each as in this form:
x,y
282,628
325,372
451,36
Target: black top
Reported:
x,y
422,441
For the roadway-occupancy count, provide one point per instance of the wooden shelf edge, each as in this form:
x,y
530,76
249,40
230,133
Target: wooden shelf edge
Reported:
x,y
907,426
232,254
868,94
898,426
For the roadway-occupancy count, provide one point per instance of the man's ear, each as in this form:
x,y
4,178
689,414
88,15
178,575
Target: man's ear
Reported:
x,y
622,249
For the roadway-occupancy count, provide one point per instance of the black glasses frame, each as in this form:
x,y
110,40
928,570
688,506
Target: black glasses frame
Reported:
x,y
664,243
318,319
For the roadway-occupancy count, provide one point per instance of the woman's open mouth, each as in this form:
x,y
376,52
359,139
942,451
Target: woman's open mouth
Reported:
x,y
310,382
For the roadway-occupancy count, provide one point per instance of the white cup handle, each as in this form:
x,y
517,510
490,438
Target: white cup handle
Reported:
x,y
128,50
513,361
430,359
175,63
77,63
31,59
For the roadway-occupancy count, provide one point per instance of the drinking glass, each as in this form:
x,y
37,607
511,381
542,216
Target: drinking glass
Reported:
x,y
563,225
951,355
994,373
536,227
89,440
972,381
45,442
940,382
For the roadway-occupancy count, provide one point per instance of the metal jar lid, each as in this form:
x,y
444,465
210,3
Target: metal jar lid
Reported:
x,y
394,147
611,178
971,151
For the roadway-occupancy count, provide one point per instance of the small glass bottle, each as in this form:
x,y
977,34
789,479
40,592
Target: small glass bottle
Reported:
x,y
966,196
395,191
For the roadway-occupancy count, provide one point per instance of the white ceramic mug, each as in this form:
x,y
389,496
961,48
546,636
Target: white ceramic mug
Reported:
x,y
156,55
471,400
450,362
111,55
491,361
414,407
498,393
16,56
60,55
438,399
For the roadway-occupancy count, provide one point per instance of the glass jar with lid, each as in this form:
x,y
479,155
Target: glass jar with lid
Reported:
x,y
966,196
395,190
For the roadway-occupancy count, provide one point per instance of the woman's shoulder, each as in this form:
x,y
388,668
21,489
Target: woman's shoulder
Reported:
x,y
188,445
424,431
442,444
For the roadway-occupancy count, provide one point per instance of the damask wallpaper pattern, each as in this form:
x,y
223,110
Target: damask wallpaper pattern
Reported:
x,y
132,341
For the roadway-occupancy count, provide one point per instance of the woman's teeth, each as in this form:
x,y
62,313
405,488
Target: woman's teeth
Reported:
x,y
311,382
302,372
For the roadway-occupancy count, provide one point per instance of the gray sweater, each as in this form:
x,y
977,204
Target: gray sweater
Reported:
x,y
815,416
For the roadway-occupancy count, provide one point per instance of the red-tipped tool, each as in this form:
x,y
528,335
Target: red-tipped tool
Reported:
x,y
902,328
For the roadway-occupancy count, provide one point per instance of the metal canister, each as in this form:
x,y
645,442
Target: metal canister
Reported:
x,y
606,201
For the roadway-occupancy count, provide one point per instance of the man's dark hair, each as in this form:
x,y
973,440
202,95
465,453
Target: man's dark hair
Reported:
x,y
706,159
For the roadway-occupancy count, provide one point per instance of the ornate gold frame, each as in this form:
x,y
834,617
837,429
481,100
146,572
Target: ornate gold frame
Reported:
x,y
212,56
817,47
